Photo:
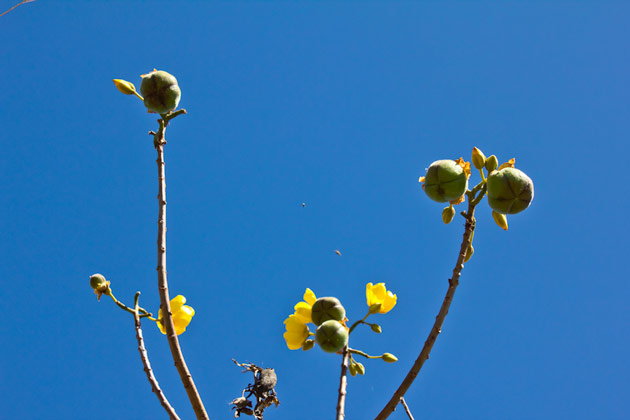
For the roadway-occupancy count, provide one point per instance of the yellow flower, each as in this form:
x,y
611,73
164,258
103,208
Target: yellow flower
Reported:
x,y
182,315
303,309
508,164
378,295
297,332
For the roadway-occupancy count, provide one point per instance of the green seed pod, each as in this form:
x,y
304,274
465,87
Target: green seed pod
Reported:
x,y
98,281
510,191
331,336
376,328
327,308
491,163
478,158
445,181
389,358
161,92
447,214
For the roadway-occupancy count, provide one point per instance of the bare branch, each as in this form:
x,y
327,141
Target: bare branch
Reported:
x,y
343,385
453,282
404,404
159,141
19,4
155,387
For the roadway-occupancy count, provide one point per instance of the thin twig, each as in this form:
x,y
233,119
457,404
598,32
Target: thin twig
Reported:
x,y
19,4
453,282
404,404
343,383
155,387
189,385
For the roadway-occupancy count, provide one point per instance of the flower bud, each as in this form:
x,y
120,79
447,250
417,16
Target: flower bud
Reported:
x,y
389,358
327,308
352,368
161,91
360,368
469,253
99,284
447,214
491,163
446,180
308,344
376,328
331,336
510,191
500,220
125,87
478,158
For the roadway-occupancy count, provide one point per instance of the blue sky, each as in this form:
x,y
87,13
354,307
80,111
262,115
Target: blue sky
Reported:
x,y
341,105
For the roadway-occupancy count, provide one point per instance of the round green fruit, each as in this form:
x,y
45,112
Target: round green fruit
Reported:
x,y
445,181
331,336
160,91
510,191
326,308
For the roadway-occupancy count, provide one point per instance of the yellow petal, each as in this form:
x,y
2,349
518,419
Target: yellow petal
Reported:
x,y
303,312
310,297
508,164
177,302
389,302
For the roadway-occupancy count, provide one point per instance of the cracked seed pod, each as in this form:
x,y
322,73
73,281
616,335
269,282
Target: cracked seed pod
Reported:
x,y
510,191
326,308
161,91
331,336
445,181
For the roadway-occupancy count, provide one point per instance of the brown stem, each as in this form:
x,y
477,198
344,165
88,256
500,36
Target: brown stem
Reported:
x,y
453,282
189,385
343,383
155,387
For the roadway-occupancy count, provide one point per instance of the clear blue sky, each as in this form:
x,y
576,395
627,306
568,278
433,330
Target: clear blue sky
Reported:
x,y
341,105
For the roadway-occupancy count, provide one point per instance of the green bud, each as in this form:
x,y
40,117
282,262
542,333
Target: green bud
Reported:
x,y
491,163
478,158
97,281
375,308
331,336
352,368
100,285
326,308
389,358
447,214
360,368
510,191
161,91
445,181
308,344
376,328
469,253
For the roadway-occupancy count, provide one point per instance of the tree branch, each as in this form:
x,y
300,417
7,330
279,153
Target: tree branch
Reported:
x,y
159,141
343,382
155,387
19,4
453,282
